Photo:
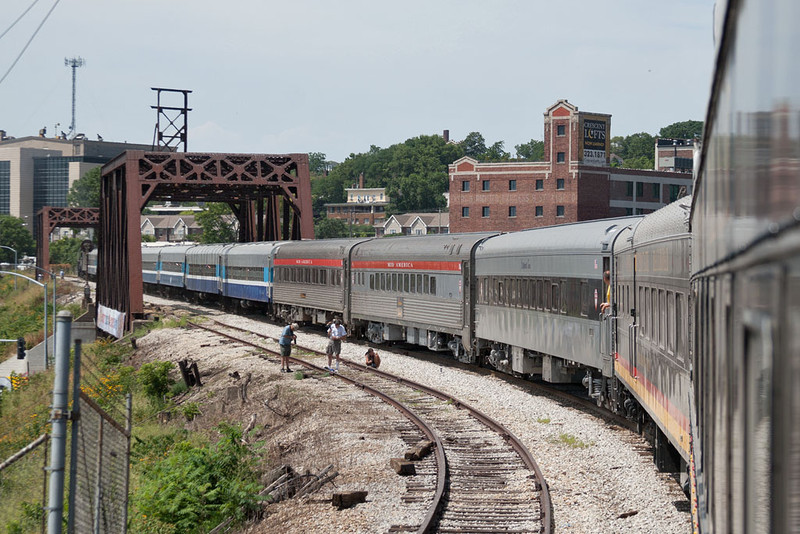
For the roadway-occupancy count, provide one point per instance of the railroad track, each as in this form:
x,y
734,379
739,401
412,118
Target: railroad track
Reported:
x,y
479,477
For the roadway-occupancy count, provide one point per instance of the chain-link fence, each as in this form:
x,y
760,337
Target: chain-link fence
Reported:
x,y
99,491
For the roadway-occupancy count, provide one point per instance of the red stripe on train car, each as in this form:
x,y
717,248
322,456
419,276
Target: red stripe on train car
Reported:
x,y
308,262
410,265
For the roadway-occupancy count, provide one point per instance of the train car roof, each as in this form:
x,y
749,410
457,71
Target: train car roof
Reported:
x,y
318,248
174,251
262,247
671,220
198,250
421,246
588,236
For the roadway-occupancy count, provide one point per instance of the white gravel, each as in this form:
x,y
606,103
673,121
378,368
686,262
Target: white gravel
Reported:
x,y
593,470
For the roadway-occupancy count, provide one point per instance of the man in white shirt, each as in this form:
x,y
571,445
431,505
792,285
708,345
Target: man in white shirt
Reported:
x,y
336,333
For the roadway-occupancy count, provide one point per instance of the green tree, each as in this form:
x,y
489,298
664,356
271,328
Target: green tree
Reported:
x,y
85,192
317,163
474,145
496,153
13,234
330,228
531,151
682,130
65,251
218,224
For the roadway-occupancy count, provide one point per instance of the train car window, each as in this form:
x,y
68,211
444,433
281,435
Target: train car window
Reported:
x,y
419,283
585,298
680,336
670,311
501,293
413,283
553,297
562,289
372,281
640,317
394,282
426,284
541,297
406,283
661,306
433,285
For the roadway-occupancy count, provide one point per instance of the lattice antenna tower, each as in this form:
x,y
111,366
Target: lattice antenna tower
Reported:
x,y
74,62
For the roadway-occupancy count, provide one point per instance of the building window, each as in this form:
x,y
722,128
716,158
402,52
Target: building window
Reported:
x,y
559,211
561,130
639,189
465,211
561,157
512,185
485,185
673,193
512,211
465,185
5,187
539,185
628,211
539,211
560,183
485,211
629,189
655,190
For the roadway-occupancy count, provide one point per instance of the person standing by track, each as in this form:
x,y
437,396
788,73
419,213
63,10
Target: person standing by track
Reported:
x,y
287,338
336,333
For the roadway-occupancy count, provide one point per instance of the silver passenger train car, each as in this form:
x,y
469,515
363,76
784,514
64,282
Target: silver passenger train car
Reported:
x,y
416,289
746,277
538,300
651,318
310,280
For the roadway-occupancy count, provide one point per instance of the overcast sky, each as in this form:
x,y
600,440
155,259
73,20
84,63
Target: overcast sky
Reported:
x,y
339,76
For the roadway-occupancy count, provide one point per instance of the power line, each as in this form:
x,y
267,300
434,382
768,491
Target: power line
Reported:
x,y
20,18
29,42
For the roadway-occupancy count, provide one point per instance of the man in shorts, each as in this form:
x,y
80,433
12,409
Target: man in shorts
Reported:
x,y
287,338
336,333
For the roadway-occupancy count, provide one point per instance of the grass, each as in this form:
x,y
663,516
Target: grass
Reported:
x,y
572,441
543,420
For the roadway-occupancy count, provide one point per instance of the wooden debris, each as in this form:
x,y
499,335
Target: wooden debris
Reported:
x,y
403,467
420,451
348,498
628,514
250,425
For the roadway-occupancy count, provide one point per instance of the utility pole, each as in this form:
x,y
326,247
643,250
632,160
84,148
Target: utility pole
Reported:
x,y
74,63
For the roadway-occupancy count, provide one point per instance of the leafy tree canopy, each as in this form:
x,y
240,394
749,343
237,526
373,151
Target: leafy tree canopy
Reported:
x,y
85,192
473,145
531,151
218,224
330,229
13,234
65,251
682,130
414,174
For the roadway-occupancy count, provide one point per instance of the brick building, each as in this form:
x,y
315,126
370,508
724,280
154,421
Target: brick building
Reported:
x,y
573,183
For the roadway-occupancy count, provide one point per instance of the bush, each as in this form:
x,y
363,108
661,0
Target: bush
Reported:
x,y
155,381
194,488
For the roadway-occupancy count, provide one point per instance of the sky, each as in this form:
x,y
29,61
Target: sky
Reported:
x,y
340,76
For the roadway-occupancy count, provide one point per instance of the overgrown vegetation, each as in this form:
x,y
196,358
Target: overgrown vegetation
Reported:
x,y
180,482
186,487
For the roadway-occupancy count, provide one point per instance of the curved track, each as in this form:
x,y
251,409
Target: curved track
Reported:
x,y
480,478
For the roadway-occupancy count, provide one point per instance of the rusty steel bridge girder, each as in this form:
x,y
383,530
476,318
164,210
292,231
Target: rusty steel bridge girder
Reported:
x,y
49,218
270,195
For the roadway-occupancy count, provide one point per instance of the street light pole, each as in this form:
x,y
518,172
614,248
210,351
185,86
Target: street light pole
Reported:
x,y
53,278
15,262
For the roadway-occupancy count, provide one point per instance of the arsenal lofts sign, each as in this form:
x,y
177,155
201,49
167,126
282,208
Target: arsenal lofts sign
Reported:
x,y
595,141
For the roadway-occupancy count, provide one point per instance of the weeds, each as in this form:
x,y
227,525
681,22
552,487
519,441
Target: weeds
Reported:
x,y
572,441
